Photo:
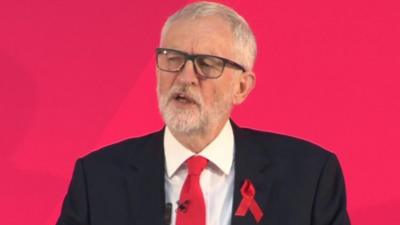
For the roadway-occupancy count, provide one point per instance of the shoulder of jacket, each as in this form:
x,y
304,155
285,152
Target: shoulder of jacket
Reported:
x,y
282,145
120,150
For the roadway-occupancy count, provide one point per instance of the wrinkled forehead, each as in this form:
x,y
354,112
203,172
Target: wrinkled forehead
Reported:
x,y
200,35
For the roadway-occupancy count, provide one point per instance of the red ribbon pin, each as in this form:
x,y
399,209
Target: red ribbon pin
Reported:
x,y
248,202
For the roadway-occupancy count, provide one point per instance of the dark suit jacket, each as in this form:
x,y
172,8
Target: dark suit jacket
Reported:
x,y
297,183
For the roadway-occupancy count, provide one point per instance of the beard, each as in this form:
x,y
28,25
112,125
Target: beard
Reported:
x,y
199,117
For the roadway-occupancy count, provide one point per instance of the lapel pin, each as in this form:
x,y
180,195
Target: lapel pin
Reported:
x,y
248,201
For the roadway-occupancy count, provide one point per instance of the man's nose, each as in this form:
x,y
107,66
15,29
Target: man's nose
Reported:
x,y
188,74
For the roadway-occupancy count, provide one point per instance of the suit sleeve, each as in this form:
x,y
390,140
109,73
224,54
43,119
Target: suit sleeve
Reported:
x,y
75,206
330,199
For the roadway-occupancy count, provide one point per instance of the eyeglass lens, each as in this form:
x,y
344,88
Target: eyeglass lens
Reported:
x,y
174,61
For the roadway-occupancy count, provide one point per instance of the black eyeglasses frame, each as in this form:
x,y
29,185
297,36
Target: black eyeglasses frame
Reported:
x,y
193,57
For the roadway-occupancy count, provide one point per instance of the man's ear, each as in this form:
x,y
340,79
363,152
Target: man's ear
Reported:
x,y
245,85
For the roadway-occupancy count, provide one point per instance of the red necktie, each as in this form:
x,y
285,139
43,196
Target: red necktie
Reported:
x,y
191,207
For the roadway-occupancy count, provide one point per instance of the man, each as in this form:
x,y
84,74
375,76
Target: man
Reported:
x,y
201,168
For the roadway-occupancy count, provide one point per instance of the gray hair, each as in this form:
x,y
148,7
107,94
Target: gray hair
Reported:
x,y
245,42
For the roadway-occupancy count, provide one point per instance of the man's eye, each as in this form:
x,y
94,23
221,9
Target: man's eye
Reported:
x,y
204,64
208,62
174,59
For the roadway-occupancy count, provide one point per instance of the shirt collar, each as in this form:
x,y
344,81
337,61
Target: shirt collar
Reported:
x,y
219,152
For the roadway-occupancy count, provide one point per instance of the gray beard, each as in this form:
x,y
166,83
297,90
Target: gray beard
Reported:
x,y
196,120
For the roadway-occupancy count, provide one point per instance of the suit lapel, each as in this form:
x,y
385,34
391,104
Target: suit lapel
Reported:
x,y
145,182
251,162
145,179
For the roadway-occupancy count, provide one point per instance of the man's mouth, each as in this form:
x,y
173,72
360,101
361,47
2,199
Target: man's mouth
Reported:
x,y
182,98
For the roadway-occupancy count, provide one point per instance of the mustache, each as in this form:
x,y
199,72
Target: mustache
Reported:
x,y
187,92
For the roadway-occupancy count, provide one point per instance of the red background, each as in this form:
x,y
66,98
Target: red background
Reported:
x,y
77,75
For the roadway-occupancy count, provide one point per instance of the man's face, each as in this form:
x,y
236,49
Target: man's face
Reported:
x,y
187,102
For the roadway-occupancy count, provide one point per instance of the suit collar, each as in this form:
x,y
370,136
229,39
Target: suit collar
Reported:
x,y
219,152
250,157
146,172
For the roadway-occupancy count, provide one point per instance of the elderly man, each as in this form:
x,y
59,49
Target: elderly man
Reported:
x,y
201,168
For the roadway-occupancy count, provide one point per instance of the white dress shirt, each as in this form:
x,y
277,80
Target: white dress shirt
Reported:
x,y
216,180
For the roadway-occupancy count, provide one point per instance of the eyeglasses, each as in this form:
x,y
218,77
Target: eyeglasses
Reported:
x,y
206,66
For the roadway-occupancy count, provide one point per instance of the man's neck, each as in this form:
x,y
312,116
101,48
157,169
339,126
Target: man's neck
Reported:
x,y
197,141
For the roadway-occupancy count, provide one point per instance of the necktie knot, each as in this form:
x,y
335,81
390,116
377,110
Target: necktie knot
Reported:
x,y
196,164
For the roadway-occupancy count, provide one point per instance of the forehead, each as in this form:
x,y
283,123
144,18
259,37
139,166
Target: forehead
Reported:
x,y
205,35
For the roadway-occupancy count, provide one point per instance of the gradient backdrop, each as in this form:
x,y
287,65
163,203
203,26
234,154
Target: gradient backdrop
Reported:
x,y
77,75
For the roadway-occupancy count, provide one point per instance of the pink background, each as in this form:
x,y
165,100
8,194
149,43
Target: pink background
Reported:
x,y
77,75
